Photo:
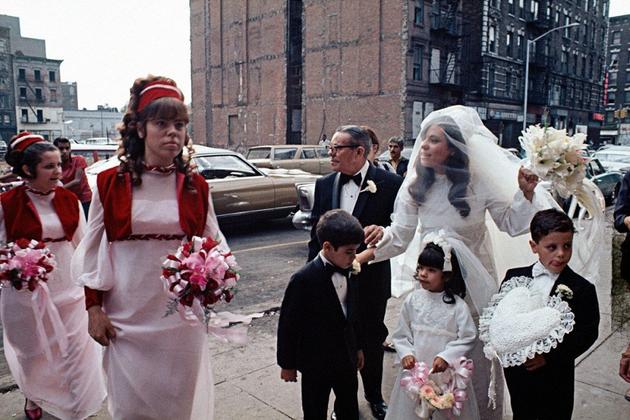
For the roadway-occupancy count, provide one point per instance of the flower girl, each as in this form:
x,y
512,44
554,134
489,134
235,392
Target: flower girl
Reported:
x,y
435,325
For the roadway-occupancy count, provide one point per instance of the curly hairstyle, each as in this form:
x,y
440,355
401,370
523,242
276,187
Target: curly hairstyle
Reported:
x,y
131,152
31,157
457,172
433,256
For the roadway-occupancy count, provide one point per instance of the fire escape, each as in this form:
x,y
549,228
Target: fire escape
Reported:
x,y
446,48
540,62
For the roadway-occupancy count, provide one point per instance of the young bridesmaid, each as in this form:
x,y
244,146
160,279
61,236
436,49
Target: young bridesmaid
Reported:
x,y
435,325
57,367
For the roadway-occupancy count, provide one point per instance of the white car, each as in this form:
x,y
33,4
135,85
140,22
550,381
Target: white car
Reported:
x,y
614,159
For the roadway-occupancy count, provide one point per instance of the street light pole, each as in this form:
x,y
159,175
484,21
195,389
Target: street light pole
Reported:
x,y
531,42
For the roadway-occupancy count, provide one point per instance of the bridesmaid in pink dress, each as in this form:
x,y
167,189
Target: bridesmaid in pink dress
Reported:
x,y
157,367
46,345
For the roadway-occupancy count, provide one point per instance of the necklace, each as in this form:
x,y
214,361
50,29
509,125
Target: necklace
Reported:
x,y
166,170
38,192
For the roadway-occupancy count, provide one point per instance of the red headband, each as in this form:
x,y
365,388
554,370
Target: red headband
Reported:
x,y
159,89
25,139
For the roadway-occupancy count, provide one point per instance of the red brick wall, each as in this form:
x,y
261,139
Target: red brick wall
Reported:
x,y
351,74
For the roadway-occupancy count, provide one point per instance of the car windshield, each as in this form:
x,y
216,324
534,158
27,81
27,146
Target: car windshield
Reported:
x,y
223,166
613,158
262,153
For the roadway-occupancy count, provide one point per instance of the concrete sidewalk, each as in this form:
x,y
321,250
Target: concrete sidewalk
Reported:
x,y
248,385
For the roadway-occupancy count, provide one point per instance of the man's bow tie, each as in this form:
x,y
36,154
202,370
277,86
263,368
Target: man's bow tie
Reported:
x,y
344,179
334,269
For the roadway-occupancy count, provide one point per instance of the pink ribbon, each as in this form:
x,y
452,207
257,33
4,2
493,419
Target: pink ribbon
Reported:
x,y
43,306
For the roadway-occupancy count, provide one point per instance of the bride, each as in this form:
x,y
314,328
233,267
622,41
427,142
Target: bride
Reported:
x,y
458,176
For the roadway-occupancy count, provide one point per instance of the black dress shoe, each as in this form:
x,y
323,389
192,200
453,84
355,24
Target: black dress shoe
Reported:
x,y
379,410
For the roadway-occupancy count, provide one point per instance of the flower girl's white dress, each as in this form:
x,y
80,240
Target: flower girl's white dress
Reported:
x,y
429,327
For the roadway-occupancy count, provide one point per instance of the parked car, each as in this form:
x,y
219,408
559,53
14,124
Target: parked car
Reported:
x,y
309,158
240,191
614,159
94,152
608,182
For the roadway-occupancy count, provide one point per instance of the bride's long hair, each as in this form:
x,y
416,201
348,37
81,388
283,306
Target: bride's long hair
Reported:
x,y
457,171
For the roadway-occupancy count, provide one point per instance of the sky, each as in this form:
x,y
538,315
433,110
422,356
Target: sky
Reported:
x,y
106,44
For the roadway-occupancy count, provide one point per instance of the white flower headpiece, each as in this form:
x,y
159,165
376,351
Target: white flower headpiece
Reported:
x,y
439,238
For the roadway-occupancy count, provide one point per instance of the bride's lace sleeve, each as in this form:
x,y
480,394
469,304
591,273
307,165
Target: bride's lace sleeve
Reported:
x,y
397,236
514,217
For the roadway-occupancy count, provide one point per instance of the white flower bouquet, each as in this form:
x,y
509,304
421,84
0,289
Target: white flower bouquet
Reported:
x,y
556,157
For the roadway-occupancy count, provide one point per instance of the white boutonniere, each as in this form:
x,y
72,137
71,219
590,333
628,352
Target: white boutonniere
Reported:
x,y
356,268
564,291
370,187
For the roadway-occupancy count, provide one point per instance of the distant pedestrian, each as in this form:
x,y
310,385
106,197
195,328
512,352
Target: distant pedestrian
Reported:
x,y
319,331
46,345
324,141
157,367
73,175
396,159
372,156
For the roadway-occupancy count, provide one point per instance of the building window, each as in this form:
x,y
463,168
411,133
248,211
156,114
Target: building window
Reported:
x,y
418,52
491,81
508,84
7,119
418,12
521,8
52,76
612,77
40,116
564,58
585,40
53,95
22,93
24,115
567,31
533,8
495,4
38,94
626,97
508,43
511,6
521,46
38,75
492,41
616,38
21,74
612,97
583,66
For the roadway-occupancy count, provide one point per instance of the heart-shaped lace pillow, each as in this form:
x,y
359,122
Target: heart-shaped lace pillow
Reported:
x,y
518,324
520,319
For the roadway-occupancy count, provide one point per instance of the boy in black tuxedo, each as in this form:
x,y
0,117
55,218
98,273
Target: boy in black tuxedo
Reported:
x,y
542,388
318,331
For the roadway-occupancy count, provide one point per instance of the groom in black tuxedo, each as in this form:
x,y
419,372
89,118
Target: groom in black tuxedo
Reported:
x,y
368,194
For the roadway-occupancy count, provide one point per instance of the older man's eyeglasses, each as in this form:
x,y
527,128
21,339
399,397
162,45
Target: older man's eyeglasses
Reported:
x,y
335,148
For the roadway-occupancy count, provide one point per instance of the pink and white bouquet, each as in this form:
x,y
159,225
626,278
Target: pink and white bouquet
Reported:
x,y
25,263
437,391
199,271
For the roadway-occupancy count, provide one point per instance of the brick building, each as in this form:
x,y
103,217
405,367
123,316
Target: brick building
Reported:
x,y
8,123
289,71
618,81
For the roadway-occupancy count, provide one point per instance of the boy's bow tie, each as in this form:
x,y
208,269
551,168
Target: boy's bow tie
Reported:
x,y
344,179
540,270
334,269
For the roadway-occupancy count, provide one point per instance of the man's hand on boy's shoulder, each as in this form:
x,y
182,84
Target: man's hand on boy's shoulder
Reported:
x,y
288,375
536,363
